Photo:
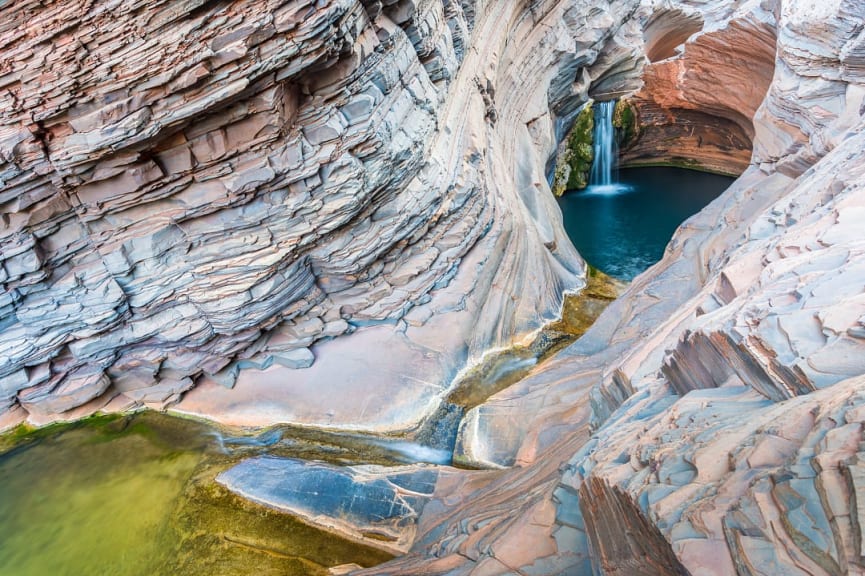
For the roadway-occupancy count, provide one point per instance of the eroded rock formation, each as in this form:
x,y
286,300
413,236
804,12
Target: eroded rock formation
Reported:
x,y
708,73
201,194
722,394
197,194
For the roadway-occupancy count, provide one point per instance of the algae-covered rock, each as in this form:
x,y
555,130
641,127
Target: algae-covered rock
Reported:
x,y
626,121
575,161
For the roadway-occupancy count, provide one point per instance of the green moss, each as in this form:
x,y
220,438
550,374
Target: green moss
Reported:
x,y
580,148
572,170
625,120
24,434
580,310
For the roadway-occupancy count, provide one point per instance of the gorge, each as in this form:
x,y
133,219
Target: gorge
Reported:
x,y
324,215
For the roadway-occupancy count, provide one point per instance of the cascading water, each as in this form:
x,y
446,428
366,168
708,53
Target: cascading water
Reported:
x,y
603,175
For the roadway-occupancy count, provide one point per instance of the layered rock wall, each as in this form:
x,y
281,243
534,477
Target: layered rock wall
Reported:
x,y
722,394
708,73
201,194
195,192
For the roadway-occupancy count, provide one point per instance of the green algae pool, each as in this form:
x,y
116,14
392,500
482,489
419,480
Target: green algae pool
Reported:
x,y
135,495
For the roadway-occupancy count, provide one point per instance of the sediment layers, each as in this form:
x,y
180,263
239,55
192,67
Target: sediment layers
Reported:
x,y
197,196
708,73
711,421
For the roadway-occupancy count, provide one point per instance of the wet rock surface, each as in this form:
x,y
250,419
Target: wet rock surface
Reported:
x,y
288,173
375,504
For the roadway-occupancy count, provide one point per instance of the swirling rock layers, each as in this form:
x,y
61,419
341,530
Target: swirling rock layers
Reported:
x,y
205,193
708,74
199,194
711,421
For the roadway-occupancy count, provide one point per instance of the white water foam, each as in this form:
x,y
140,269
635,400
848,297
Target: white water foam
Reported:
x,y
607,189
414,452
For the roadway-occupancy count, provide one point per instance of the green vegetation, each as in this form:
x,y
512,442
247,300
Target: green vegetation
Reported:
x,y
572,171
625,120
580,147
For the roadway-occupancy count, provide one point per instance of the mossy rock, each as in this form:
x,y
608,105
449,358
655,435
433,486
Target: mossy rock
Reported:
x,y
585,152
577,180
580,310
625,120
575,163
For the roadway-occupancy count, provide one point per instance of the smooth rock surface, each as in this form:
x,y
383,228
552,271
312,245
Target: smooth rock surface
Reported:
x,y
709,71
375,504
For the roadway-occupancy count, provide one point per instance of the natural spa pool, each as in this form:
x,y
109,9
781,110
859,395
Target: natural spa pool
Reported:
x,y
135,495
624,228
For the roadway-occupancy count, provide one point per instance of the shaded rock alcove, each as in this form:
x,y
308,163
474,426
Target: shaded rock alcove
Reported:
x,y
699,96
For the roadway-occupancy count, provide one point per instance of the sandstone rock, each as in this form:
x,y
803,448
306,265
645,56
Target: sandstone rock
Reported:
x,y
217,188
61,394
193,191
727,395
702,88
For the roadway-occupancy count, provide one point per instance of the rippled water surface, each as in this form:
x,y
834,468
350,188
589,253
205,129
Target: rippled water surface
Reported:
x,y
623,229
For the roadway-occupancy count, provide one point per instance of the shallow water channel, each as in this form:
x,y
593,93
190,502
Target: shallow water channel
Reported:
x,y
135,495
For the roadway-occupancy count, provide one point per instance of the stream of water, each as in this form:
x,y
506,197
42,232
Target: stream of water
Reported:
x,y
604,171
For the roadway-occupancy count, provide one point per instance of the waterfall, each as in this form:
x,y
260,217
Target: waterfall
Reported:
x,y
606,152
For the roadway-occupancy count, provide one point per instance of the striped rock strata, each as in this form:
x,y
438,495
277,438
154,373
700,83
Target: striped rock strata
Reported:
x,y
200,195
711,422
197,193
700,94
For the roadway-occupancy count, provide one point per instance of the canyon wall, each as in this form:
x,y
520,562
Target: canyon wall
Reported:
x,y
214,196
711,421
708,72
202,199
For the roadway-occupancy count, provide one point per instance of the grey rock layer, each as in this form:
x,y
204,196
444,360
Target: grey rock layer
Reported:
x,y
374,504
197,193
